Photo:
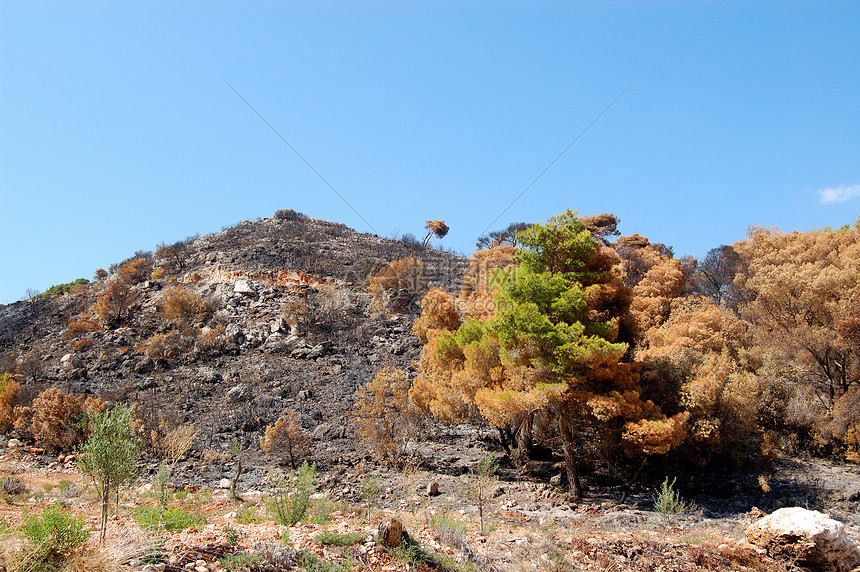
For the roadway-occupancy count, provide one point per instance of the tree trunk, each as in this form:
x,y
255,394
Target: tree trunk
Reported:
x,y
235,480
569,447
524,439
503,439
104,517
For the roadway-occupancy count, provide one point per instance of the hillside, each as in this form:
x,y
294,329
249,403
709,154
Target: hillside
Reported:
x,y
260,365
229,332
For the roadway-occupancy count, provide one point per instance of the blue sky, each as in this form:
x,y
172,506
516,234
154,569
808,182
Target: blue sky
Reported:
x,y
118,130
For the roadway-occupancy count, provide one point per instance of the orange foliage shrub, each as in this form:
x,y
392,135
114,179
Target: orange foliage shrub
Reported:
x,y
179,306
135,270
211,339
695,322
436,228
57,418
84,344
116,304
397,286
79,327
171,345
476,294
441,388
653,294
285,438
723,402
852,444
383,415
8,393
438,312
655,436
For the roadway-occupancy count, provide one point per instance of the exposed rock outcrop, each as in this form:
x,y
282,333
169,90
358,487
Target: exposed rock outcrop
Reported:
x,y
809,538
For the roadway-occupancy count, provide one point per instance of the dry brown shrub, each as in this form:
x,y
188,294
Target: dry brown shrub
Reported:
x,y
285,438
22,421
397,286
115,304
181,307
135,270
724,404
8,393
213,457
383,414
438,312
101,274
172,443
211,339
171,345
80,327
851,440
84,344
476,294
57,418
436,228
832,431
158,273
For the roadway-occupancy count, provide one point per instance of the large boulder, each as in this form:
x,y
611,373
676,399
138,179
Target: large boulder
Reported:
x,y
244,287
809,538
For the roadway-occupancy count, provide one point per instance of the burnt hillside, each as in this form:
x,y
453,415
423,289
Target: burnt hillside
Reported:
x,y
287,324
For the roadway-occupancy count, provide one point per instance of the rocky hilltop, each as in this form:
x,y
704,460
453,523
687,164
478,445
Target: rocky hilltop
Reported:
x,y
288,326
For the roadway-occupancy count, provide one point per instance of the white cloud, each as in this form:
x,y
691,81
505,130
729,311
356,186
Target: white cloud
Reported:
x,y
839,194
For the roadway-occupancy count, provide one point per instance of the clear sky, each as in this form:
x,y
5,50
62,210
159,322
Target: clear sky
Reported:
x,y
118,130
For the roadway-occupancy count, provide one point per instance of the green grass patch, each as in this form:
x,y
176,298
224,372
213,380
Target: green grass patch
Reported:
x,y
337,539
247,515
167,518
312,563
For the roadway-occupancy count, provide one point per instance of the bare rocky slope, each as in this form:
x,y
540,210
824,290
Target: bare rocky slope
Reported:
x,y
260,364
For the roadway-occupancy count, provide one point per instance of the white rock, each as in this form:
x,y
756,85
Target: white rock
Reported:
x,y
224,483
70,361
244,287
14,443
810,538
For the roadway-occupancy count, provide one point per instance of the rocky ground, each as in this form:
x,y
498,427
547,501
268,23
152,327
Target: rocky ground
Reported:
x,y
529,525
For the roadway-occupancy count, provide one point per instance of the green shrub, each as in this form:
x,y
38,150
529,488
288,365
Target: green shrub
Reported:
x,y
232,535
158,518
411,552
448,530
337,539
321,509
288,502
668,503
55,534
247,515
370,488
67,288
